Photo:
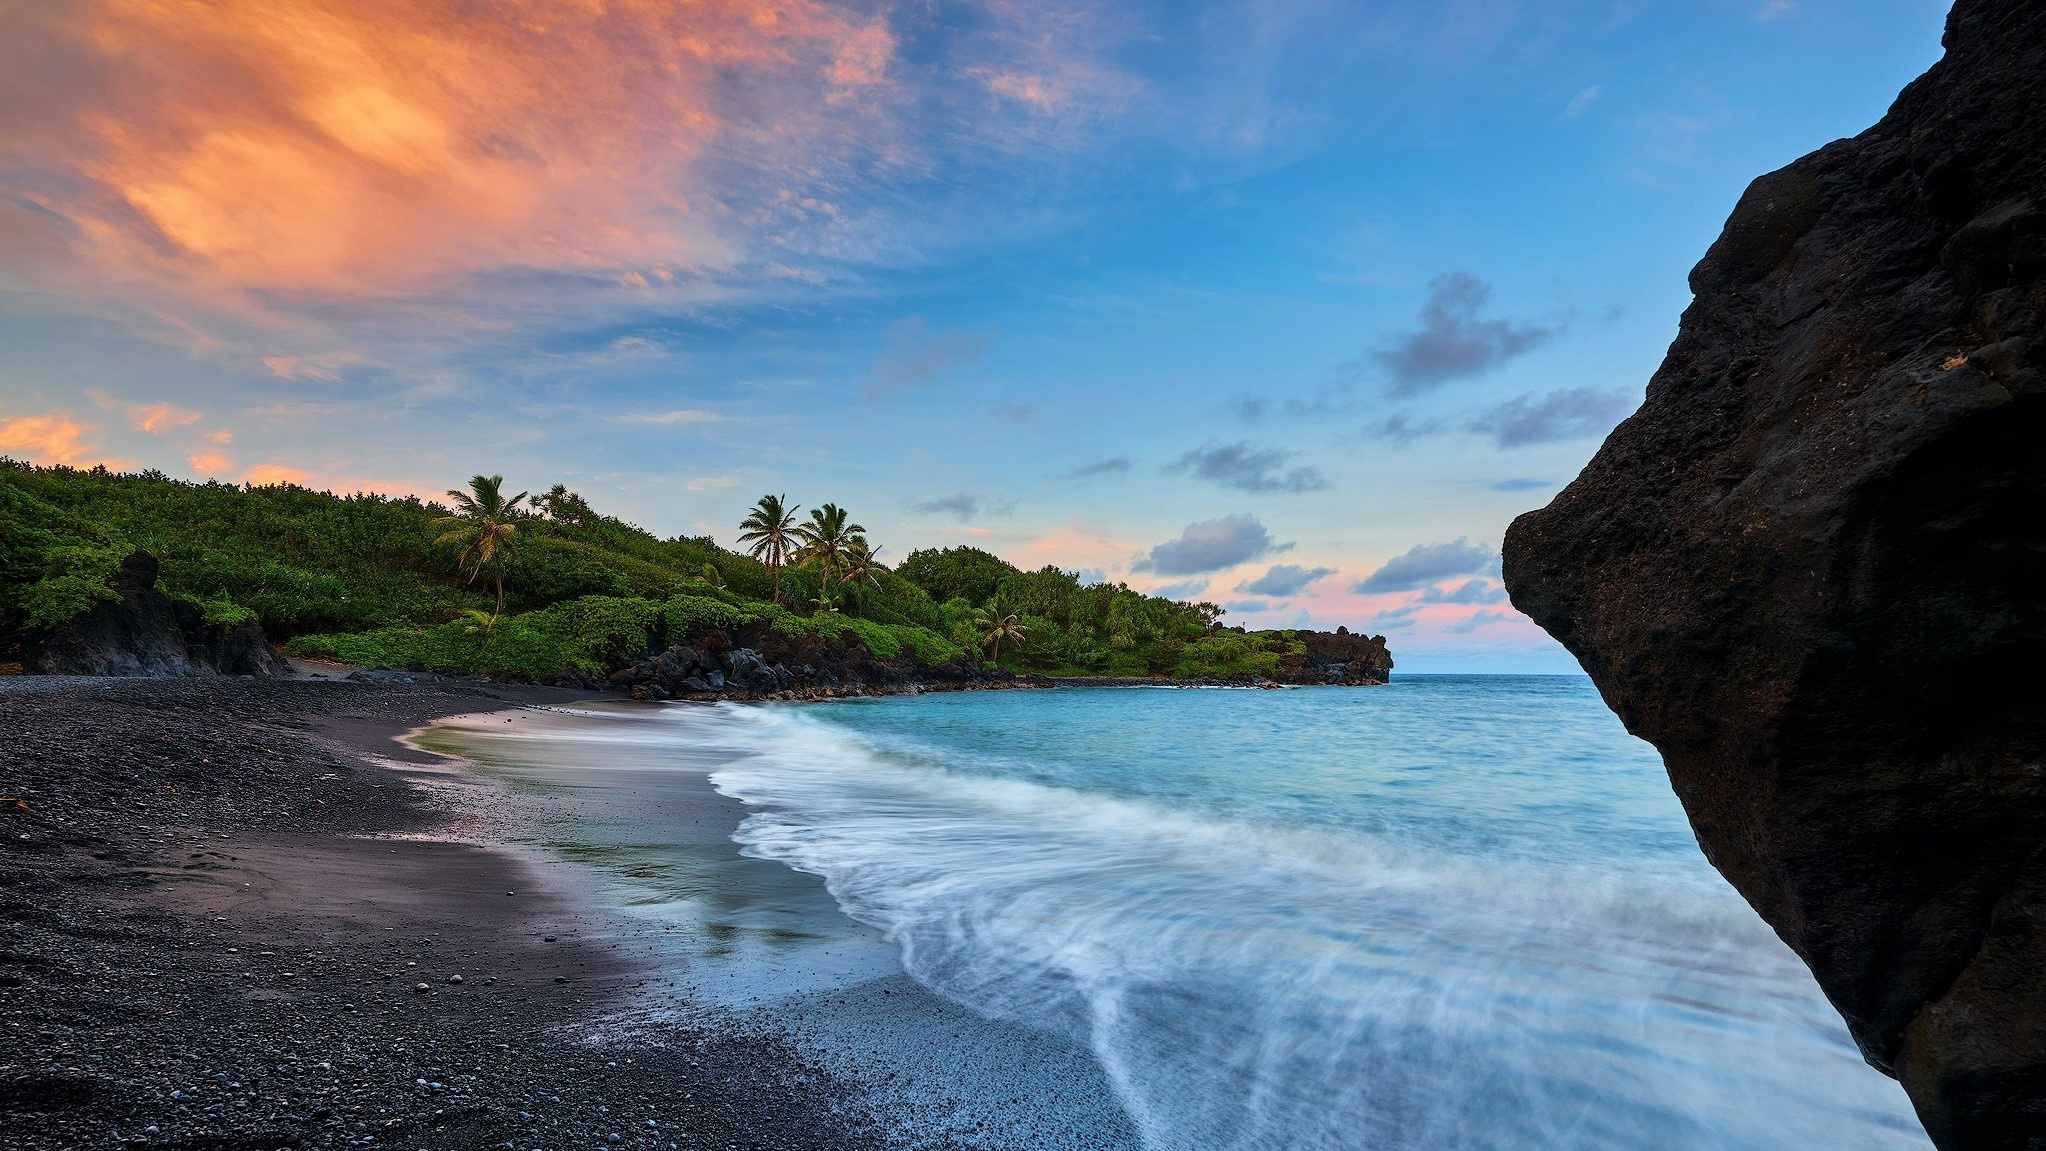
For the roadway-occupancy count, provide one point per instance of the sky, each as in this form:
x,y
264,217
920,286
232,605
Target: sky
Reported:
x,y
1291,306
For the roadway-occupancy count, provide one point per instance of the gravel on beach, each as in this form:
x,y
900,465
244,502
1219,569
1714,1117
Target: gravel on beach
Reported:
x,y
226,929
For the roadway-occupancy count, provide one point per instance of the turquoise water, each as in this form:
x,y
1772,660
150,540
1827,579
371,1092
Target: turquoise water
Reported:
x,y
1455,912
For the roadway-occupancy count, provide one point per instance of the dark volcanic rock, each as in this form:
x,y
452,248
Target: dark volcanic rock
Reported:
x,y
1339,657
145,632
1812,571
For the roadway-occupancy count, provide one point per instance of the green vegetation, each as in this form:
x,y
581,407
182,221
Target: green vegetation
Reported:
x,y
387,581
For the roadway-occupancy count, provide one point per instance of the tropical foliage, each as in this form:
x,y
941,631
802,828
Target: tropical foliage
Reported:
x,y
520,586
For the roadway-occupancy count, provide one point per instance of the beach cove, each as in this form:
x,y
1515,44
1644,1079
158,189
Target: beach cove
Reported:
x,y
1453,912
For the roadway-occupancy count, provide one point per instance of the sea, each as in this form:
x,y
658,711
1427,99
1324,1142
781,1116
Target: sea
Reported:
x,y
1450,912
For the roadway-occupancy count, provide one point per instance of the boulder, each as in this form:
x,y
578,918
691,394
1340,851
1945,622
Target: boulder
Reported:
x,y
145,632
1811,570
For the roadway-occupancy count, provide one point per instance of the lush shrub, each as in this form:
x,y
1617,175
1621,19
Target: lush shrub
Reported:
x,y
1227,653
926,645
688,615
74,578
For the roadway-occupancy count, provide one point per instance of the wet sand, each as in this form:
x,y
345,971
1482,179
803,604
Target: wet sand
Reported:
x,y
239,917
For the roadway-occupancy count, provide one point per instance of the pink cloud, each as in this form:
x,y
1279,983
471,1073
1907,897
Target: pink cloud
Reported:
x,y
54,437
158,418
378,146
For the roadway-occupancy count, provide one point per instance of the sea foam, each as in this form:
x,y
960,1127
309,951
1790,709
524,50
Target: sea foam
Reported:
x,y
1319,949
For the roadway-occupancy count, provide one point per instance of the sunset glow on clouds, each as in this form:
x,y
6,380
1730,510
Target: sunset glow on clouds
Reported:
x,y
390,147
1174,293
366,146
50,438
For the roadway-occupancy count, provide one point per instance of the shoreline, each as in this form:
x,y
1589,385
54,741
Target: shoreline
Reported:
x,y
225,896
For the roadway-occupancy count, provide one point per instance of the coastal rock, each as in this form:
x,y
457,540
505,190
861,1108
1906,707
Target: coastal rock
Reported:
x,y
1811,570
1339,657
145,632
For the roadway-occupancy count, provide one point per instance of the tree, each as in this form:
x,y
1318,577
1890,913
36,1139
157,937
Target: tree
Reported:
x,y
565,507
769,531
862,569
995,623
484,524
955,573
826,540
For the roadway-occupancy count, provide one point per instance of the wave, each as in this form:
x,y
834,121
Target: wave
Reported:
x,y
1248,983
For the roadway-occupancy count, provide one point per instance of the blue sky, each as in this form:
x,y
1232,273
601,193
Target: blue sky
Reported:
x,y
1288,306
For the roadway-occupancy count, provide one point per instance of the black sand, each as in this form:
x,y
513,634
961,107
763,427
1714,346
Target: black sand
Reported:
x,y
206,948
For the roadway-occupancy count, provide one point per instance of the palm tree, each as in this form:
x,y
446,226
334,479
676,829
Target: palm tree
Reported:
x,y
770,530
862,568
995,623
484,525
826,538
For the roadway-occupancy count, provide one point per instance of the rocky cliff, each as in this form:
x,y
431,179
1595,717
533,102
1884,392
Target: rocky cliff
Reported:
x,y
145,632
1811,570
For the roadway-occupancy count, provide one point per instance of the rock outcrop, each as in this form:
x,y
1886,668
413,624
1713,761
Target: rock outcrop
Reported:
x,y
1811,570
757,662
145,632
1338,657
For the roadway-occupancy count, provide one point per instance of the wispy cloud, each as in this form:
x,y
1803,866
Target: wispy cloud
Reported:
x,y
1402,428
1283,580
1119,465
1567,414
964,507
916,353
1476,620
159,418
673,416
325,368
1472,591
1455,340
1184,589
1248,469
376,147
1425,564
1210,546
1582,101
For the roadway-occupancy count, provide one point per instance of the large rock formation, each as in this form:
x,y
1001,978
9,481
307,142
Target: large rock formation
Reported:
x,y
1811,570
145,632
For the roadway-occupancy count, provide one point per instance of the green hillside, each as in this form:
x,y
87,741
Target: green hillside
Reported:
x,y
392,581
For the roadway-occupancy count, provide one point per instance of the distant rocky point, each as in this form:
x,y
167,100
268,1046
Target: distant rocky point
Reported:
x,y
1812,571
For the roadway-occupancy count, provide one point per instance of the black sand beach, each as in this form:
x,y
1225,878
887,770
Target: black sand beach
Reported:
x,y
228,928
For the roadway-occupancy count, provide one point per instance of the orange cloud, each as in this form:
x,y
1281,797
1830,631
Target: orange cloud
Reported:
x,y
274,472
51,438
154,418
210,463
381,146
1070,546
264,475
